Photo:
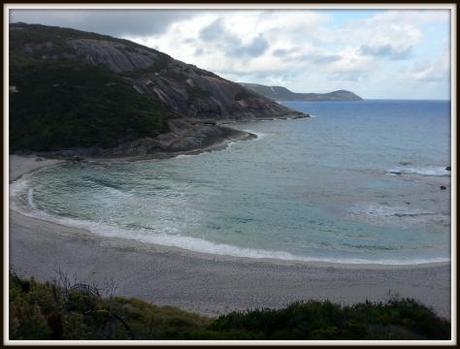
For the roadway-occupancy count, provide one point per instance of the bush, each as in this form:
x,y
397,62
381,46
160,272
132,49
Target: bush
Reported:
x,y
65,105
60,311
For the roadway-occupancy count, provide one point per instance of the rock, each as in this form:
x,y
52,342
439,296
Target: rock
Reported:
x,y
448,168
75,159
195,100
114,55
442,187
405,163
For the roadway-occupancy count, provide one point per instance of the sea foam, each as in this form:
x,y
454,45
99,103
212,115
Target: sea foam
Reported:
x,y
437,171
190,243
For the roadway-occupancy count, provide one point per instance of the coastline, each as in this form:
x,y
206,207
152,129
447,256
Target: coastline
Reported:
x,y
209,136
206,283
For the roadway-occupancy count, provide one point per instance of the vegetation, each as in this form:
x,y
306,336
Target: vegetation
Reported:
x,y
64,105
66,310
196,92
58,102
243,94
22,34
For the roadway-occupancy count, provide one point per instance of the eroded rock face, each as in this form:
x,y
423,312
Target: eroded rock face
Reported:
x,y
114,55
194,93
186,89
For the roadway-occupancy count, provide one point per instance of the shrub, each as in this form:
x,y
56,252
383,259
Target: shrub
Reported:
x,y
60,311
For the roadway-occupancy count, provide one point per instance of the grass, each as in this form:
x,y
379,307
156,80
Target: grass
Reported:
x,y
64,310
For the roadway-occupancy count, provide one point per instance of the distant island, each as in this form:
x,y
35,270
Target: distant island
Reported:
x,y
281,93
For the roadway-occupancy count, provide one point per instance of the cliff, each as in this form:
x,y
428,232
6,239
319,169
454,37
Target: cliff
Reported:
x,y
74,90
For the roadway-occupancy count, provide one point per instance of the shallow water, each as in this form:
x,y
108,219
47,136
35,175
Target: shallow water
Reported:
x,y
358,183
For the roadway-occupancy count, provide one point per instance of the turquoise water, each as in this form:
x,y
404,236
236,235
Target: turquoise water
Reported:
x,y
359,182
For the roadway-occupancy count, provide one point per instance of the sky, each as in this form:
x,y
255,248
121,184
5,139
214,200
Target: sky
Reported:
x,y
378,54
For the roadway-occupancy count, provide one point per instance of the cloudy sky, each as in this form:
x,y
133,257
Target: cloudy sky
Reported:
x,y
402,54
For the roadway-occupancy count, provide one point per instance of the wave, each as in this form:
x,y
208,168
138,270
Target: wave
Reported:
x,y
259,135
208,247
184,156
437,171
190,243
391,211
30,198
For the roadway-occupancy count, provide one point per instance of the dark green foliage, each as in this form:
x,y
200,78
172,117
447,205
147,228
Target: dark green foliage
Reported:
x,y
63,105
49,311
396,319
196,93
243,94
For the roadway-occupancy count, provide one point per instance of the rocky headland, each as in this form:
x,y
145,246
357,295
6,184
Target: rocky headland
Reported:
x,y
280,93
80,93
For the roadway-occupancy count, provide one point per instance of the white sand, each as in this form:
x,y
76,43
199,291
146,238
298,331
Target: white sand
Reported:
x,y
20,165
204,283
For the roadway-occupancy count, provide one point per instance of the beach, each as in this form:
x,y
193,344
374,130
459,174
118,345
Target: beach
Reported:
x,y
205,283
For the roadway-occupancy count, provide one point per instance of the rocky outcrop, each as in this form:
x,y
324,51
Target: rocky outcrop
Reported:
x,y
114,55
184,88
194,99
186,136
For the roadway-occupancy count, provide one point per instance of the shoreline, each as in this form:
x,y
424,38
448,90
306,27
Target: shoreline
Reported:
x,y
151,246
214,142
211,284
31,167
208,283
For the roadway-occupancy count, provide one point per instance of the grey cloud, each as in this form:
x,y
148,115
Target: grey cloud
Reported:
x,y
110,22
214,31
254,49
433,78
190,41
429,73
232,45
385,51
324,59
281,52
356,75
289,55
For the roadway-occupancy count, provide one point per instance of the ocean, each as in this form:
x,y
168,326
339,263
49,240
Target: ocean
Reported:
x,y
358,182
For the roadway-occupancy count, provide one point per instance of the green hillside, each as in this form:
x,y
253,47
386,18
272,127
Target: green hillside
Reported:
x,y
62,103
66,105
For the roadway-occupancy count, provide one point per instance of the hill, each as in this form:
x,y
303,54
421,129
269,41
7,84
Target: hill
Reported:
x,y
85,92
280,93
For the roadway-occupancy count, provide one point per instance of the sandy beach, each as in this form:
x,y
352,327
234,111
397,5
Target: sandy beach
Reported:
x,y
205,283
